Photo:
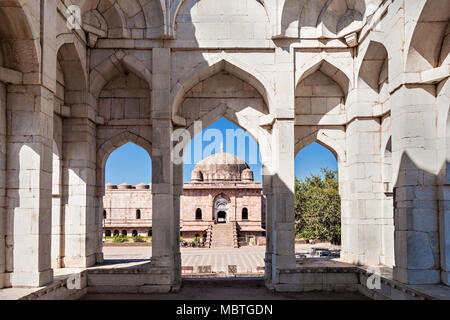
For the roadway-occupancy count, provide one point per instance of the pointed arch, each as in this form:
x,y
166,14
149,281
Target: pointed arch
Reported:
x,y
175,6
155,14
112,14
289,17
256,132
340,17
70,55
371,66
329,67
427,47
19,31
223,62
116,64
321,137
105,150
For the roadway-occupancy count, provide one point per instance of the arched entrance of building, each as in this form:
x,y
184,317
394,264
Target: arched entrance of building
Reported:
x,y
221,208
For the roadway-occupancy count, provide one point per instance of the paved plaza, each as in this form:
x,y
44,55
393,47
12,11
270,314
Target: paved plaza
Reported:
x,y
247,259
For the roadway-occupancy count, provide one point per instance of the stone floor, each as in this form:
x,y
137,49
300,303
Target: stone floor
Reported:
x,y
247,259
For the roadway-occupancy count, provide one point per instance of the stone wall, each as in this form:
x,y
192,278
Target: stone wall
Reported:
x,y
368,79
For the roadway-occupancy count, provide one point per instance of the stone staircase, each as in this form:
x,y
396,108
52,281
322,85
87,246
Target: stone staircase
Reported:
x,y
224,236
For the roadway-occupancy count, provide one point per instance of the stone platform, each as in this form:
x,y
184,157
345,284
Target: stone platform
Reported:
x,y
309,280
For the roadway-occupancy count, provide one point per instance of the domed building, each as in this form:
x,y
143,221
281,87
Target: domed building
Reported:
x,y
222,203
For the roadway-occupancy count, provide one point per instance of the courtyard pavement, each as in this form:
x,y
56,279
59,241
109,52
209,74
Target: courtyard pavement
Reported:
x,y
247,259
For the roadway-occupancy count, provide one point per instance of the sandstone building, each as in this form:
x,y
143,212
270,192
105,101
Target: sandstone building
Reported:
x,y
221,190
127,210
367,79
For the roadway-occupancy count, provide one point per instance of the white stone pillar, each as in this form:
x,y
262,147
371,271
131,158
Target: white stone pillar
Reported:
x,y
57,208
166,176
29,185
414,170
2,182
444,232
267,190
282,204
79,181
281,201
443,104
362,194
165,200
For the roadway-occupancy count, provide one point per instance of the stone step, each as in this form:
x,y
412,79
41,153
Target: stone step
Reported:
x,y
223,235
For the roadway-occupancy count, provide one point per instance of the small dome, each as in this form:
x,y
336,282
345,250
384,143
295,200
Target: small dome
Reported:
x,y
125,186
247,175
142,186
221,166
196,176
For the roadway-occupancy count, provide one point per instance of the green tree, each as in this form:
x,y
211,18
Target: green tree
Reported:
x,y
318,207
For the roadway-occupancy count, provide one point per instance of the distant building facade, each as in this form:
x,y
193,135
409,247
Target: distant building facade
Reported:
x,y
221,191
127,210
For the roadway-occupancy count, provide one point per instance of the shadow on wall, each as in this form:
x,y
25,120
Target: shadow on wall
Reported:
x,y
421,236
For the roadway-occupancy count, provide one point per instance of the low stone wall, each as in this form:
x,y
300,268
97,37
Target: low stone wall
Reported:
x,y
131,281
307,279
60,289
390,290
346,279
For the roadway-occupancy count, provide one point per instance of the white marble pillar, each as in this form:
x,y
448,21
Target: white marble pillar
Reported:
x,y
29,185
81,223
414,171
362,194
283,217
2,182
166,176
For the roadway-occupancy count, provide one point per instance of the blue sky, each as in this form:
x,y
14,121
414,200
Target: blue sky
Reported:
x,y
132,164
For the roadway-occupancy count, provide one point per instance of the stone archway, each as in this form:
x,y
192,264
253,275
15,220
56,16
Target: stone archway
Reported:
x,y
221,211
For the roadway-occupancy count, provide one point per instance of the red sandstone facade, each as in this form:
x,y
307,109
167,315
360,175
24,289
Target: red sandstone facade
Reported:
x,y
221,190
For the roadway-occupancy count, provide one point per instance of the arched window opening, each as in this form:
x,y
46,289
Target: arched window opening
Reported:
x,y
198,214
128,193
244,214
108,233
316,191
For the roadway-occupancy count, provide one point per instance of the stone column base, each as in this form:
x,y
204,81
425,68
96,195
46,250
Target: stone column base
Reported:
x,y
80,262
268,270
445,277
31,279
2,280
99,257
409,276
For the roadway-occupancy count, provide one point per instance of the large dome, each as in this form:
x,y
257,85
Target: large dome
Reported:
x,y
222,166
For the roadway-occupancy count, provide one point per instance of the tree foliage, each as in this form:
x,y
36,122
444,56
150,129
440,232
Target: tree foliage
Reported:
x,y
318,207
